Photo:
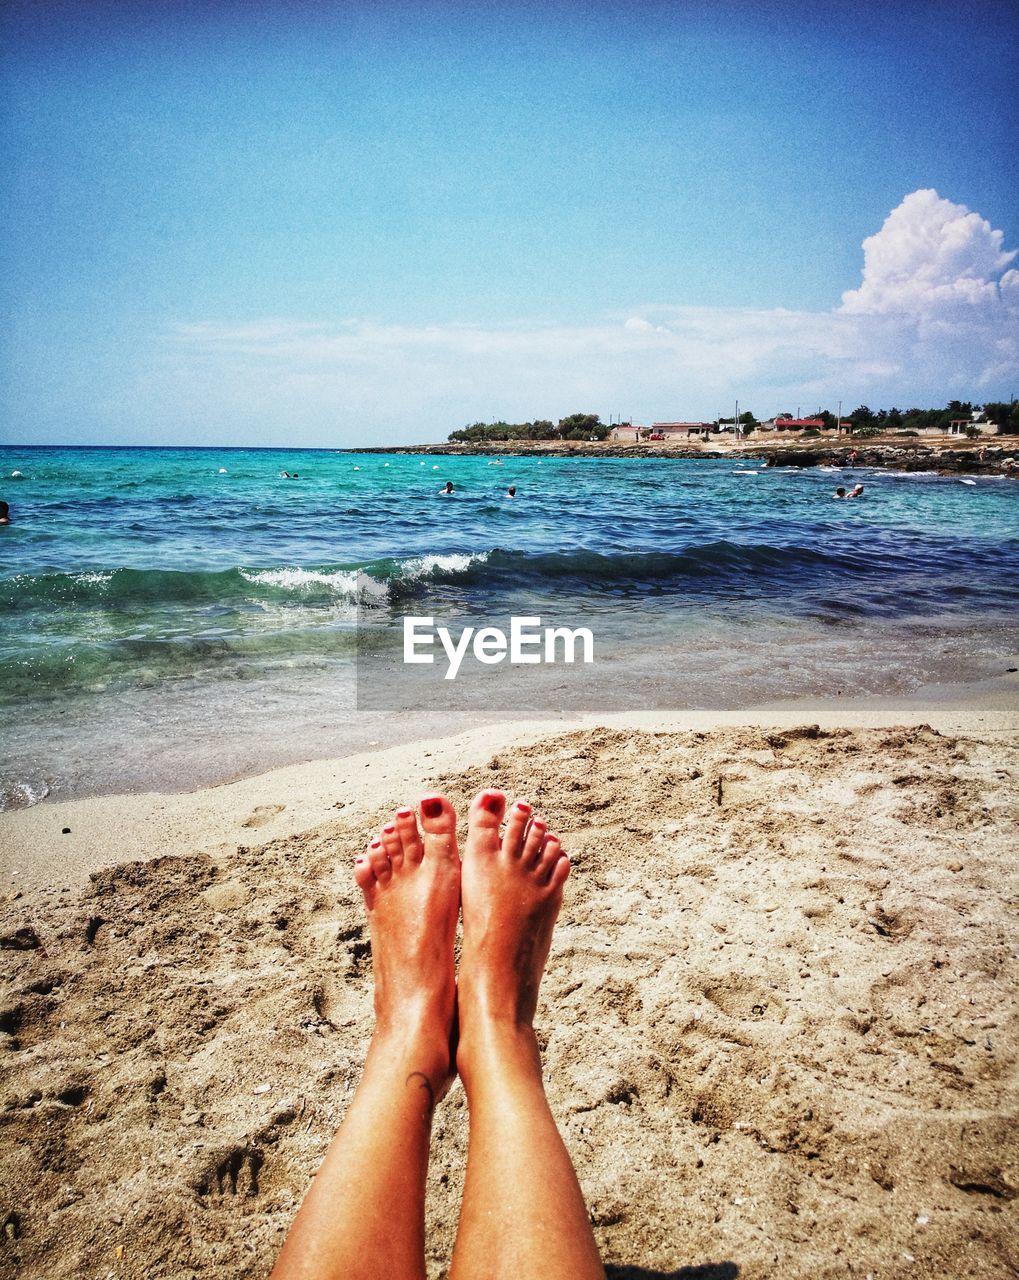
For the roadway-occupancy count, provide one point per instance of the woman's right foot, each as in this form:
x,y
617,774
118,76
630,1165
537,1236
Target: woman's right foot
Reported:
x,y
410,880
511,889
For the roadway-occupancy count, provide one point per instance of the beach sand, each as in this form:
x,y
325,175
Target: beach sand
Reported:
x,y
779,1018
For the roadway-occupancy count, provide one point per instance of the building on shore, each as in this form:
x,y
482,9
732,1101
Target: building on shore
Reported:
x,y
965,426
796,424
684,429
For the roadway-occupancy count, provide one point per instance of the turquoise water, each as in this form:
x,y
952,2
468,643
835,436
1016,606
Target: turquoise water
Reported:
x,y
170,616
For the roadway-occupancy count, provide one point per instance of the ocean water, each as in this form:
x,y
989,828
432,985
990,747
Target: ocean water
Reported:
x,y
179,616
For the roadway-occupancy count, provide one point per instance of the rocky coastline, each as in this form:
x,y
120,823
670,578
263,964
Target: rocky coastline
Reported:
x,y
990,460
997,456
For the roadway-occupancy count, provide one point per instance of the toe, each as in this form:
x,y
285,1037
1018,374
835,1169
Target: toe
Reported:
x,y
392,845
516,827
383,872
438,819
536,833
551,852
410,837
559,872
487,809
365,877
483,823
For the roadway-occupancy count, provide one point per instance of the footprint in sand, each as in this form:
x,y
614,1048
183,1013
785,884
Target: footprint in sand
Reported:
x,y
235,1174
745,1000
262,814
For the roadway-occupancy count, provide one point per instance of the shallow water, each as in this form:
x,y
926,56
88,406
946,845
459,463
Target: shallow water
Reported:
x,y
173,616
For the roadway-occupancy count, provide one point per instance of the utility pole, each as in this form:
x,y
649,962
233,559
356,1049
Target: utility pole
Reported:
x,y
838,421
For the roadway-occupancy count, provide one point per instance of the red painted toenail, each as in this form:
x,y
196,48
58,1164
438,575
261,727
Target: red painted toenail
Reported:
x,y
524,808
376,844
389,829
405,813
493,803
431,808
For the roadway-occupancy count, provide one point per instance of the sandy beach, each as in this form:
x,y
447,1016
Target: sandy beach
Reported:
x,y
778,1020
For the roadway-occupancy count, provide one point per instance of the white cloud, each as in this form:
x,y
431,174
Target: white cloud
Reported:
x,y
936,316
930,256
936,291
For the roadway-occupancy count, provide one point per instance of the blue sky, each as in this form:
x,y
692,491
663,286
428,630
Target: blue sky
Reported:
x,y
342,224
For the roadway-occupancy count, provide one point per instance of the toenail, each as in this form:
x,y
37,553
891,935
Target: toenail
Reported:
x,y
523,808
376,844
431,808
493,803
389,829
405,813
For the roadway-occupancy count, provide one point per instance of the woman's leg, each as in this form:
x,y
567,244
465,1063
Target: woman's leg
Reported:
x,y
363,1217
523,1212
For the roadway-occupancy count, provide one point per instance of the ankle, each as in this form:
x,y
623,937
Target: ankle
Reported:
x,y
413,1045
492,1048
497,1004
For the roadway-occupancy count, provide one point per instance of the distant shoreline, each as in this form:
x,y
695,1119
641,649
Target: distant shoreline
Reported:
x,y
950,455
947,454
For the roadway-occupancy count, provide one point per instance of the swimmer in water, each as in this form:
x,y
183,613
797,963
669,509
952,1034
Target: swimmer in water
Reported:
x,y
447,490
856,493
839,492
511,492
5,513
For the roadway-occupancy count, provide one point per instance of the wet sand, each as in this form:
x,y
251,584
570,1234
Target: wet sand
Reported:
x,y
779,1019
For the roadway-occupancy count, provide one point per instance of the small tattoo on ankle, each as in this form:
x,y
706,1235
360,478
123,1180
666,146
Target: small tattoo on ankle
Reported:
x,y
426,1084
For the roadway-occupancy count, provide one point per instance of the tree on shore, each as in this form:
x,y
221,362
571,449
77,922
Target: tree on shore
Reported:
x,y
1005,416
577,426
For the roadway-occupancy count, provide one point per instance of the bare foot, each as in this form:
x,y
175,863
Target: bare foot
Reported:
x,y
411,888
511,890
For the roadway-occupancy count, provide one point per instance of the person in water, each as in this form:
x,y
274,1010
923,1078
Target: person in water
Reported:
x,y
856,492
839,492
447,489
511,492
523,1212
5,513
